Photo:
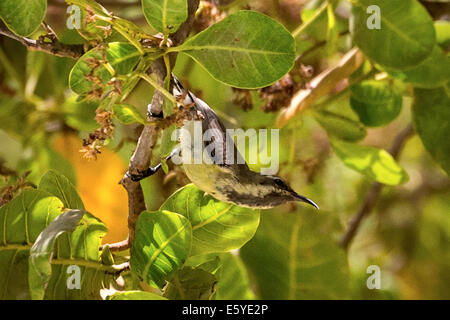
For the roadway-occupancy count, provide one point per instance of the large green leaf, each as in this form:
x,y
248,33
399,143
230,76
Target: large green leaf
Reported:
x,y
165,16
162,245
376,164
191,284
234,282
375,102
431,114
135,295
23,17
41,251
406,35
79,248
216,226
294,256
22,221
122,57
245,50
59,186
433,72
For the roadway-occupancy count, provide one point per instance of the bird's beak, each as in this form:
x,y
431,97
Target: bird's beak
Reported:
x,y
304,199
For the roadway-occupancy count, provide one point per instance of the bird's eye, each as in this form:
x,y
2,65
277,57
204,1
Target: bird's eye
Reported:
x,y
279,182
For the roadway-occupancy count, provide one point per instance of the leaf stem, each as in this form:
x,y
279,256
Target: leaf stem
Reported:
x,y
158,87
301,28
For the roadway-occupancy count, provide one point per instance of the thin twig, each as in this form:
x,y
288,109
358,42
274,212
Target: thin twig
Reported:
x,y
374,192
53,47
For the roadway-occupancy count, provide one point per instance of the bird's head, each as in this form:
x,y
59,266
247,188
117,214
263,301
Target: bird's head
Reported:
x,y
276,191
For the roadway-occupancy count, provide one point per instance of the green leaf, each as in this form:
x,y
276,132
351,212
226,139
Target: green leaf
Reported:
x,y
294,256
234,282
162,245
191,284
245,50
79,248
376,164
80,115
59,186
22,221
165,16
431,114
433,72
122,57
127,114
340,126
442,28
40,254
135,295
375,102
406,35
216,226
23,17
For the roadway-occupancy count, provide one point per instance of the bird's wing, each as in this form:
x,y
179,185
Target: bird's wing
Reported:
x,y
225,152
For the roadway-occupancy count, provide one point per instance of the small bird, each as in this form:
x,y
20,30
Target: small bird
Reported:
x,y
228,181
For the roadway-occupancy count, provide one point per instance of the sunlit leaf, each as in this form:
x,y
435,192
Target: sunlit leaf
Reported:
x,y
216,226
246,50
135,295
162,245
127,114
376,164
59,186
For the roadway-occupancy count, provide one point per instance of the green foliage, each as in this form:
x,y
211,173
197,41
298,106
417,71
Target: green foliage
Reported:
x,y
127,114
374,163
23,219
135,295
406,36
431,107
59,186
23,17
40,254
162,245
118,59
340,126
291,258
165,16
216,226
191,284
432,72
194,246
245,50
376,103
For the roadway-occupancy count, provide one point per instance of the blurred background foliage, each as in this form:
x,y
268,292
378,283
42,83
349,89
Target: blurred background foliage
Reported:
x,y
295,253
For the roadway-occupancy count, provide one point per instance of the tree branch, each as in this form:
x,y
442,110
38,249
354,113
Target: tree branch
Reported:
x,y
374,192
52,46
140,159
